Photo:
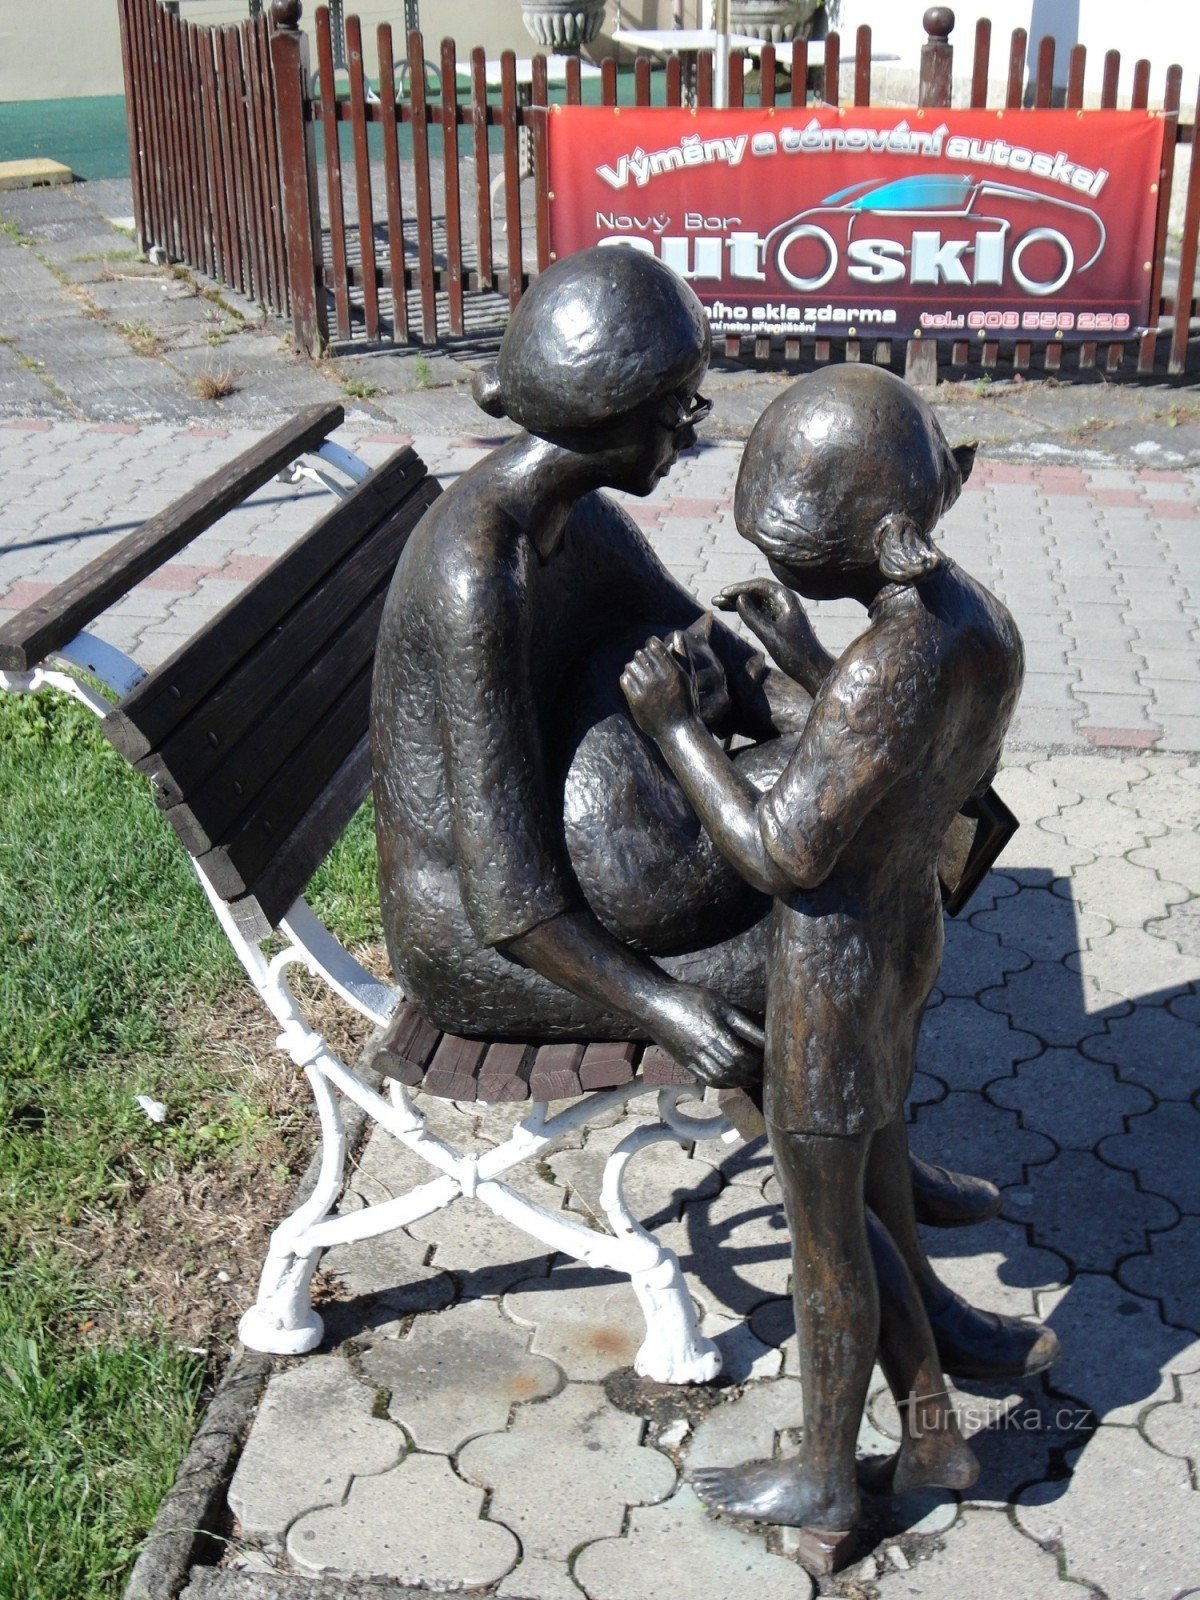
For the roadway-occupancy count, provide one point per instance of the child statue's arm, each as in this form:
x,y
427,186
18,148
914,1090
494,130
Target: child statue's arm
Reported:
x,y
859,740
662,699
777,619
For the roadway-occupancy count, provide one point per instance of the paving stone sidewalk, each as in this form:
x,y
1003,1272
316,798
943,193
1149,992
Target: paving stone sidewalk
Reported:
x,y
463,1426
486,1434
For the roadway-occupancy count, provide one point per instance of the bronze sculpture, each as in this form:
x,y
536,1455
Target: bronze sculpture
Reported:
x,y
843,481
541,871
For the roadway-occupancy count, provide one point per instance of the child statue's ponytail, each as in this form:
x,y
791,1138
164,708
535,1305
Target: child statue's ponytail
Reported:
x,y
906,553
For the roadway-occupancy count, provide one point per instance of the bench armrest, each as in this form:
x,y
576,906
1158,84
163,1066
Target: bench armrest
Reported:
x,y
57,617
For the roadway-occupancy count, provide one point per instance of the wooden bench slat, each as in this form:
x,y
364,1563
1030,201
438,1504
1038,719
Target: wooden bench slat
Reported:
x,y
190,755
244,854
504,1075
273,893
555,1072
211,811
57,617
407,1045
148,715
607,1066
664,1071
452,1073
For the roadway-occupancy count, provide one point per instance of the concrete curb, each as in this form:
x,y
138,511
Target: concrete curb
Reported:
x,y
214,1585
191,1511
193,1504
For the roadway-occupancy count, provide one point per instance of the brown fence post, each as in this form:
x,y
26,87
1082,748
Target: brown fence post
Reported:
x,y
298,161
937,67
937,57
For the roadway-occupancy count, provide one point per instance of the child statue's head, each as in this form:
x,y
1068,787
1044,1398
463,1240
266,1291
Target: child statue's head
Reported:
x,y
847,473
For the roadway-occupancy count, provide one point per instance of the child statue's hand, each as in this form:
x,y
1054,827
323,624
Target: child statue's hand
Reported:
x,y
776,617
660,689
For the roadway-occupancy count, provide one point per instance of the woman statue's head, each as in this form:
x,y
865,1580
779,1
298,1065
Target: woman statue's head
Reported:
x,y
604,355
848,473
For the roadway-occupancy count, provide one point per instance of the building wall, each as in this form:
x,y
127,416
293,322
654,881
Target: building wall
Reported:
x,y
59,49
1160,30
51,49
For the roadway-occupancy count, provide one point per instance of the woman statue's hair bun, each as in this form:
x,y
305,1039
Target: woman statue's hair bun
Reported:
x,y
485,387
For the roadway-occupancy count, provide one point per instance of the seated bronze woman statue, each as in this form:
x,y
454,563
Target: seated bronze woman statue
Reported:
x,y
542,874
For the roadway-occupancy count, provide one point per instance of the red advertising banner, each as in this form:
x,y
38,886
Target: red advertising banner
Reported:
x,y
875,222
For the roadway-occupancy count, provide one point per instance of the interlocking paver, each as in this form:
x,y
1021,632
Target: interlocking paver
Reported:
x,y
983,1557
566,1471
744,1357
1175,855
1118,1354
735,1254
1102,829
1121,891
1161,1148
1151,1046
978,1137
1174,1426
745,1428
1048,1000
1031,791
379,1282
996,1267
417,1524
458,1374
1142,1549
1064,1096
1134,963
586,1322
1091,1213
722,1561
1041,922
1033,850
656,1181
486,1254
314,1431
975,959
1181,927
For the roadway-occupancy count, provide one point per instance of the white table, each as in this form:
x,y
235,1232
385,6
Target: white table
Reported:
x,y
688,43
683,41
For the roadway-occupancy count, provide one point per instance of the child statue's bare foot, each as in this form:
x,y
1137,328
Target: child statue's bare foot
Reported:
x,y
776,1491
941,1460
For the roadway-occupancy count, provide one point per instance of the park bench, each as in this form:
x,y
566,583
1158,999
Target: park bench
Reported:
x,y
254,737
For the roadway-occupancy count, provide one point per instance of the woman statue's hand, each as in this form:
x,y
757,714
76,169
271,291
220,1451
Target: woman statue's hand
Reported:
x,y
708,1036
694,646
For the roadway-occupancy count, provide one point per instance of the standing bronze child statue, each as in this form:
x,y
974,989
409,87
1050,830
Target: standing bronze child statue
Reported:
x,y
842,483
542,873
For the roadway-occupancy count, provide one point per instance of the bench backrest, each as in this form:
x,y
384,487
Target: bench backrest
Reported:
x,y
254,733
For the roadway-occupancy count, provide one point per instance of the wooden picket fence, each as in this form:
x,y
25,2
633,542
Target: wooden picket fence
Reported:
x,y
203,123
228,176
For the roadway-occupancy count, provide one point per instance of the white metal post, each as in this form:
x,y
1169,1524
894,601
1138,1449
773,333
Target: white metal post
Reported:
x,y
721,75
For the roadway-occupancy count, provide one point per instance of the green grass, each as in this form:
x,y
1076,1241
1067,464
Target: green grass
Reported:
x,y
108,949
360,389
